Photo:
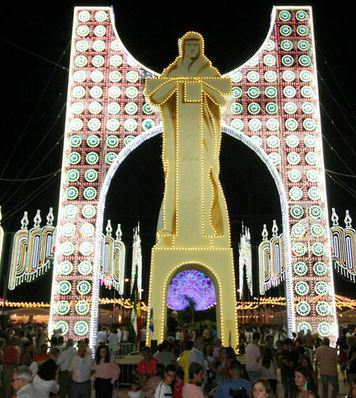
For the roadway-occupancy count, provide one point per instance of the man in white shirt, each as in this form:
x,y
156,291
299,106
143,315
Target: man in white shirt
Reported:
x,y
164,388
63,361
81,369
253,355
22,382
102,335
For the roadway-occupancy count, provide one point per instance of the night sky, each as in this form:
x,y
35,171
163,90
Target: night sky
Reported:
x,y
35,43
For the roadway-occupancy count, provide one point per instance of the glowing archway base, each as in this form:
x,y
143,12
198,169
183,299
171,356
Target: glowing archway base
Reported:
x,y
217,264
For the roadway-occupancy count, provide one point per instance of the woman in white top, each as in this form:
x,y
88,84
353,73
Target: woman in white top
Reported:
x,y
44,381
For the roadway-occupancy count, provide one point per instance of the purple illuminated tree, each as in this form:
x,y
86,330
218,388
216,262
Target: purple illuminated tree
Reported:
x,y
190,288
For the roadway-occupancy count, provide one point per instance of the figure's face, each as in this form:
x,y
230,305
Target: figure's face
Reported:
x,y
299,379
191,48
259,391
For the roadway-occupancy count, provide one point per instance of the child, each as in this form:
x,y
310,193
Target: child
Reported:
x,y
179,383
135,391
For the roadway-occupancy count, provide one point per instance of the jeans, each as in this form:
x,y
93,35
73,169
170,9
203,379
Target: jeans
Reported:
x,y
333,380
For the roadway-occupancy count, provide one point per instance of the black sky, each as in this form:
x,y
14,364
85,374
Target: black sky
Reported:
x,y
35,43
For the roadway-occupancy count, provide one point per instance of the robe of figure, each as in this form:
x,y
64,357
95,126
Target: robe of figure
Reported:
x,y
190,93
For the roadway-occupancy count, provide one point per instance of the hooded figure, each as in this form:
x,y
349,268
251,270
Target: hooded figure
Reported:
x,y
190,93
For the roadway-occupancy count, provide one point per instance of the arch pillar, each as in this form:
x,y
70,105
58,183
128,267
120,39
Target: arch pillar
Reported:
x,y
217,263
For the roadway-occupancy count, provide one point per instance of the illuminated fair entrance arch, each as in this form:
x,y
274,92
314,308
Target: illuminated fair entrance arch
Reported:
x,y
274,103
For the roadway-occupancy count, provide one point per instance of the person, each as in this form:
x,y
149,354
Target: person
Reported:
x,y
306,363
164,388
165,355
11,359
63,361
261,388
135,391
44,382
183,360
196,378
327,358
253,356
106,372
26,357
196,355
235,383
302,383
352,389
81,368
268,369
178,385
102,336
185,103
114,343
288,362
22,382
146,368
342,345
149,387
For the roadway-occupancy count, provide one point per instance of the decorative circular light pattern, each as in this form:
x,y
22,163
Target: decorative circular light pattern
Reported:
x,y
86,248
237,124
84,16
82,307
253,76
287,60
315,212
115,45
73,175
290,107
128,139
300,268
132,76
85,268
113,124
297,211
303,45
322,308
303,308
131,92
304,326
307,108
81,328
112,141
285,30
236,76
115,76
311,158
72,193
272,124
312,175
306,92
100,30
70,211
83,287
321,288
299,249
318,249
236,92
92,158
116,60
271,92
286,45
130,125
288,76
255,124
89,193
78,92
113,108
131,108
256,140
83,30
63,326
63,307
97,76
271,108
309,141
114,92
320,269
91,175
110,157
296,193
79,76
96,92
147,124
101,16
87,230
275,158
292,141
68,229
269,60
95,108
291,124
317,230
314,193
88,211
191,285
309,124
324,329
270,76
301,15
302,30
253,92
98,61
294,175
99,45
82,45
253,108
298,230
81,61
66,267
67,248
64,287
293,158
305,76
284,15
301,288
269,45
94,124
273,141
289,92
76,124
304,60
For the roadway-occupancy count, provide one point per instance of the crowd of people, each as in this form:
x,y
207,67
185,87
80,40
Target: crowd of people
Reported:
x,y
186,365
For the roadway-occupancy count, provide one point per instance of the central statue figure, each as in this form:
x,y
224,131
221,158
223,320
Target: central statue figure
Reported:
x,y
190,93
